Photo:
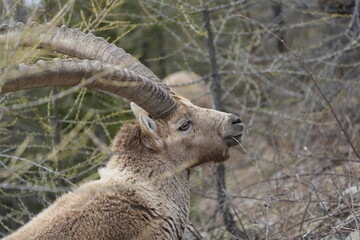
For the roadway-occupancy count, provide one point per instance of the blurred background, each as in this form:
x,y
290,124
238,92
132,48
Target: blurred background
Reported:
x,y
289,68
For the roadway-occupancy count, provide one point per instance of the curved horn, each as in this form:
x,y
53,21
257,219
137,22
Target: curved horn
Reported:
x,y
75,43
111,78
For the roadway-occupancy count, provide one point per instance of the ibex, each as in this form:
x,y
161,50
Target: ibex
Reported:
x,y
190,86
143,191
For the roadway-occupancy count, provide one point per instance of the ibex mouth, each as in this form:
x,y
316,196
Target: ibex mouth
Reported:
x,y
233,140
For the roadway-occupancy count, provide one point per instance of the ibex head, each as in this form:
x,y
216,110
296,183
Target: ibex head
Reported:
x,y
192,134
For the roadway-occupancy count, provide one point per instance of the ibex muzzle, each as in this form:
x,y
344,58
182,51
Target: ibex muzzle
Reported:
x,y
234,132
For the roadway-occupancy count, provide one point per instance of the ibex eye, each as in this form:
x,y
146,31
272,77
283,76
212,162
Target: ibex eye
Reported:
x,y
185,126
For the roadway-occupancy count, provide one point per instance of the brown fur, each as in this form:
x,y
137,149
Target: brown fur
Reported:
x,y
182,84
143,190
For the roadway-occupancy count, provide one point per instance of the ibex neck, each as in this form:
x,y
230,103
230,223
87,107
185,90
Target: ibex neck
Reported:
x,y
161,180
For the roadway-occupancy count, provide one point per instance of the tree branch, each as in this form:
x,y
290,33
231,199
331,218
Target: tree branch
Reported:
x,y
223,203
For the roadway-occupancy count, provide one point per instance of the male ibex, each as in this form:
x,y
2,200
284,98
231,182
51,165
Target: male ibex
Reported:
x,y
143,191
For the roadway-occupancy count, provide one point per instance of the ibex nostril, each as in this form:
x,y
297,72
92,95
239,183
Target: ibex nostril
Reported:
x,y
236,121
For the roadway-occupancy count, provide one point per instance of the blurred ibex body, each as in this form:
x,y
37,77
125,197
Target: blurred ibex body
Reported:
x,y
190,86
143,191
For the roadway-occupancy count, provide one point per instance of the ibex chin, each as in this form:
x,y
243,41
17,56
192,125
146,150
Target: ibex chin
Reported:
x,y
143,191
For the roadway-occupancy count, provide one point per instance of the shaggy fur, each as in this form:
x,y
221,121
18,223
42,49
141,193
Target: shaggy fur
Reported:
x,y
143,190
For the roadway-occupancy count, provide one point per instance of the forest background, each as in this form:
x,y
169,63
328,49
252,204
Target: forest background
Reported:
x,y
289,68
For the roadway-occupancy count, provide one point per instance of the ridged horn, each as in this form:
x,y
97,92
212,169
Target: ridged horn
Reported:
x,y
75,43
104,76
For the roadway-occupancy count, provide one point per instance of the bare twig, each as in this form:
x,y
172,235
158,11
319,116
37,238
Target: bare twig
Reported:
x,y
304,216
57,135
194,231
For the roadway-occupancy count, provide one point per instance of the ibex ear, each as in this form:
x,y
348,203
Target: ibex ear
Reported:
x,y
151,137
137,110
147,125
